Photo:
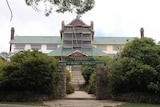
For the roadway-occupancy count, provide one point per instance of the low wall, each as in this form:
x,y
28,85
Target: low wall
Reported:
x,y
138,98
18,96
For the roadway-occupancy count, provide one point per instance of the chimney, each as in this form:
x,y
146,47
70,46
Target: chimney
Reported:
x,y
12,37
12,33
142,32
62,24
92,25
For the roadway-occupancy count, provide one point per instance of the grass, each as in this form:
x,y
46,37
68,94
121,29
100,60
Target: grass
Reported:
x,y
139,105
25,103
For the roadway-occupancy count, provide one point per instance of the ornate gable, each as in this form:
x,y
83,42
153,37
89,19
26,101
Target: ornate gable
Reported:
x,y
77,53
77,22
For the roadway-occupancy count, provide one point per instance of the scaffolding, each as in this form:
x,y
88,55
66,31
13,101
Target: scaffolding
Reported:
x,y
77,38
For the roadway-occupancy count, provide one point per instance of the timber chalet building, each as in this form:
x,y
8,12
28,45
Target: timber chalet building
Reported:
x,y
76,38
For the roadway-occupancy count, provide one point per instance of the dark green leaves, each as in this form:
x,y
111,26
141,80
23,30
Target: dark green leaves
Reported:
x,y
137,67
77,6
30,71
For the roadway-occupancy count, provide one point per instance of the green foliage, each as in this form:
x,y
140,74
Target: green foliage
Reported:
x,y
30,71
79,6
139,105
1,67
69,87
87,72
68,76
91,88
137,67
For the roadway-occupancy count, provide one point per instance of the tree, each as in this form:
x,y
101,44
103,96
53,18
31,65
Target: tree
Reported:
x,y
89,73
69,87
137,67
79,6
30,71
1,67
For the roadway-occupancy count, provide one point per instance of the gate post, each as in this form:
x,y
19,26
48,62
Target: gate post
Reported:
x,y
102,91
61,89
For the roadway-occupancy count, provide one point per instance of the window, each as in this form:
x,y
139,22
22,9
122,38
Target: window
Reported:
x,y
102,47
19,46
117,48
51,46
36,46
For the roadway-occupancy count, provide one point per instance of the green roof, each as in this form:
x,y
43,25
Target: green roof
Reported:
x,y
37,39
93,52
57,40
111,40
3,57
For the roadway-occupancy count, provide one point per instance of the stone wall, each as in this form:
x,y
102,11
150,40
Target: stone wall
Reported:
x,y
102,89
138,98
23,96
61,89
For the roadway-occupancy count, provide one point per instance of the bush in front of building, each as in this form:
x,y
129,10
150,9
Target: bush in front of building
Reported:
x,y
69,87
29,73
136,69
1,67
87,72
91,87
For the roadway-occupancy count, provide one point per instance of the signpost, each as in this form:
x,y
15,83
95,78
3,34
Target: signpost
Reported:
x,y
81,61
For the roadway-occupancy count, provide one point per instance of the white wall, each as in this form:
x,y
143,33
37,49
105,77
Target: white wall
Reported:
x,y
28,46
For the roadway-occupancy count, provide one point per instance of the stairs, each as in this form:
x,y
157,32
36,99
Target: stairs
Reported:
x,y
77,79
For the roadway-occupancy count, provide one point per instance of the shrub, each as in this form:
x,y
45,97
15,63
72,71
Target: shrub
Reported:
x,y
69,87
91,87
87,72
136,69
30,71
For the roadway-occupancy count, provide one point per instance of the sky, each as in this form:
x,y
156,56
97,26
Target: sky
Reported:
x,y
112,18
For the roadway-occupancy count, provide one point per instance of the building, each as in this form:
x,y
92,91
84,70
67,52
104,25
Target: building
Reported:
x,y
76,40
75,37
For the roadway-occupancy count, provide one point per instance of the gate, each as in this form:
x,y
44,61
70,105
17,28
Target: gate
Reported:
x,y
101,85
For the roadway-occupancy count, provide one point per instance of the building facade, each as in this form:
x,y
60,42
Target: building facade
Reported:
x,y
75,36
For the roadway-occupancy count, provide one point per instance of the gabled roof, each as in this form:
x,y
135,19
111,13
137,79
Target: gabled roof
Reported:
x,y
3,57
13,53
37,39
93,52
77,53
77,22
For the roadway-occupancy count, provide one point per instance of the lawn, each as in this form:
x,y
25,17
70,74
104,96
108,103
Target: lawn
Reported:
x,y
140,105
25,103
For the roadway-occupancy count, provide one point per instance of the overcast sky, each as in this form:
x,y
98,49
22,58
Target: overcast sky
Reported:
x,y
111,18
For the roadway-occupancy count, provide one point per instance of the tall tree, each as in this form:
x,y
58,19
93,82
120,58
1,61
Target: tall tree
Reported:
x,y
78,6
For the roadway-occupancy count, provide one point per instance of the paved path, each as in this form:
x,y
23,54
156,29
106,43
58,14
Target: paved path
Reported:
x,y
81,95
83,103
77,99
82,99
